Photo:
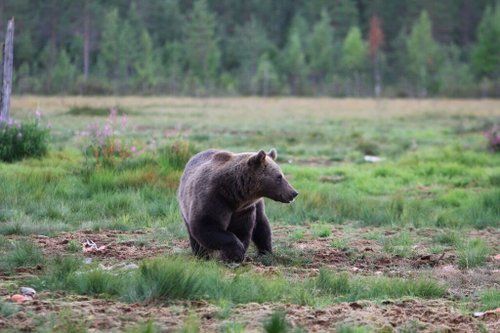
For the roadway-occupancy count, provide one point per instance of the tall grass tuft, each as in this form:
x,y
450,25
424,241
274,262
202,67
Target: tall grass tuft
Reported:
x,y
472,253
21,254
490,299
176,155
277,323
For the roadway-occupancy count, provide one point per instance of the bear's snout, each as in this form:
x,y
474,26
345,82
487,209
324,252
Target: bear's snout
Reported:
x,y
291,197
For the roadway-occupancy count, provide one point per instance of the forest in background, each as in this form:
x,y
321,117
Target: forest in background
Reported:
x,y
393,48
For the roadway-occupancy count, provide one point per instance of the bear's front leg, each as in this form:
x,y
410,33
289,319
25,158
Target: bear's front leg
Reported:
x,y
262,236
242,224
213,237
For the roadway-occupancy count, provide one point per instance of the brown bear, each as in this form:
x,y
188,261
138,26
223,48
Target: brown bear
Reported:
x,y
221,201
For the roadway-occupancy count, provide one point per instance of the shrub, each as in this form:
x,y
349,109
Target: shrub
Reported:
x,y
22,140
105,145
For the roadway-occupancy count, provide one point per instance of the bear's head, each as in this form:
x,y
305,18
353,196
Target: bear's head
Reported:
x,y
268,177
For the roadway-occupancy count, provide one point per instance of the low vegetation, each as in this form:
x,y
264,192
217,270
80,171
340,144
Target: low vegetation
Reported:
x,y
415,229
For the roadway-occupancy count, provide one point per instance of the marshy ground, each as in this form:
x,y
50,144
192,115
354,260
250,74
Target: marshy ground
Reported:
x,y
406,244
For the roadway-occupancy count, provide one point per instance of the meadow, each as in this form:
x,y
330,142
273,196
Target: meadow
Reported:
x,y
408,243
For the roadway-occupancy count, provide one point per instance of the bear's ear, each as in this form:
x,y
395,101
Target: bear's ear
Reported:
x,y
273,154
258,158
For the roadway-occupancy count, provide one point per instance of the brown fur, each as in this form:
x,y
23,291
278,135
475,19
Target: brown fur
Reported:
x,y
221,201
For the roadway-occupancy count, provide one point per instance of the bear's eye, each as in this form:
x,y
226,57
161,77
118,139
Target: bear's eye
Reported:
x,y
279,178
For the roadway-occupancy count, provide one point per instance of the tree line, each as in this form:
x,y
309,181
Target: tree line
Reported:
x,y
252,47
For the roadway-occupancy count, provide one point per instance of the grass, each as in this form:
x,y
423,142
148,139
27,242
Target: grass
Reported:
x,y
321,230
472,253
352,329
169,279
339,243
490,299
448,237
8,309
20,254
436,173
277,323
347,288
400,244
86,110
446,180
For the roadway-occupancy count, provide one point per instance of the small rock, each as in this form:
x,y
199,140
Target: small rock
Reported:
x,y
17,298
373,159
27,291
88,261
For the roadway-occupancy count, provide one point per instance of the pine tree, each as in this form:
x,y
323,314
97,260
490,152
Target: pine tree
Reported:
x,y
146,65
245,49
109,54
320,50
63,74
422,52
266,80
486,54
354,52
202,49
344,15
293,61
173,62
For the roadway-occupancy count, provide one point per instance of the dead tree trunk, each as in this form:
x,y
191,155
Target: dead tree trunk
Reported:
x,y
6,71
86,41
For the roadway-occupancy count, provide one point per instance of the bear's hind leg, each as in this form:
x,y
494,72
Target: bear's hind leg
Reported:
x,y
262,231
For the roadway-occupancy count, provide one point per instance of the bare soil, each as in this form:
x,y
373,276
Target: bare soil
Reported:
x,y
360,255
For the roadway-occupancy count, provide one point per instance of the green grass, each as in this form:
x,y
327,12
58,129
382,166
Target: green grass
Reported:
x,y
450,181
168,279
339,243
400,244
352,329
448,237
20,254
146,327
277,323
472,253
347,288
8,309
73,246
490,299
321,230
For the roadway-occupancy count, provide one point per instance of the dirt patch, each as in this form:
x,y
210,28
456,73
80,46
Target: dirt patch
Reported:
x,y
98,315
118,245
